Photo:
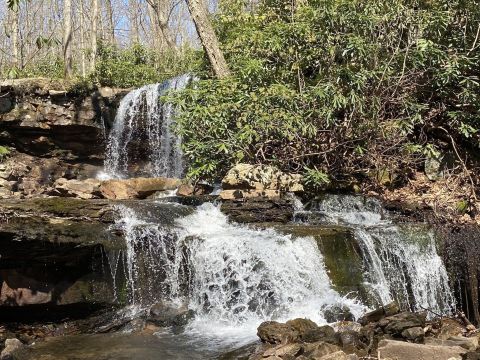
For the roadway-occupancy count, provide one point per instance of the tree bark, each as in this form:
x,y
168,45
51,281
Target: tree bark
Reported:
x,y
208,38
67,37
15,44
160,13
82,39
94,31
111,25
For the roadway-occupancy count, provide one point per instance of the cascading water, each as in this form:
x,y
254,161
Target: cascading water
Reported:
x,y
141,135
237,276
401,263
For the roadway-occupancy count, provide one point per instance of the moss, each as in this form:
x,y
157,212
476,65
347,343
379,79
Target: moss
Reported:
x,y
4,152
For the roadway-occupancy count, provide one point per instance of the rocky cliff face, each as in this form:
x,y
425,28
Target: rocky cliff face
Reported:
x,y
51,131
43,118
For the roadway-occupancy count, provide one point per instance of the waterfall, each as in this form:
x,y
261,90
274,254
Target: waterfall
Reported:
x,y
401,262
232,276
141,140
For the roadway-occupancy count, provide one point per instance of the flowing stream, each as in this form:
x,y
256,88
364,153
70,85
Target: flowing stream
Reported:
x,y
235,276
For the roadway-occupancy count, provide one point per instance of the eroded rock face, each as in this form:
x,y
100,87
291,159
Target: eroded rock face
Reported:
x,y
52,249
48,118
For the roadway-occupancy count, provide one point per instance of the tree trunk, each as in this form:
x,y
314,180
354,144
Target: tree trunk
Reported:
x,y
82,39
134,22
208,38
15,44
160,13
94,34
111,25
67,37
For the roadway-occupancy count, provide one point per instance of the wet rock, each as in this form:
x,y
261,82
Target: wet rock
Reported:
x,y
261,177
342,326
338,313
380,313
302,326
415,334
12,347
166,314
323,333
136,188
275,333
191,190
399,350
259,210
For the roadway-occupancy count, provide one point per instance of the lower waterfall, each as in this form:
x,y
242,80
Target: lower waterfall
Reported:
x,y
232,276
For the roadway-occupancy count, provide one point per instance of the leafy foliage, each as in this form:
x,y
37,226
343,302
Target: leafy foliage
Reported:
x,y
339,86
138,65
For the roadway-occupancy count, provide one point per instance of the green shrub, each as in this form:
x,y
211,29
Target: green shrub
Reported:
x,y
138,65
341,86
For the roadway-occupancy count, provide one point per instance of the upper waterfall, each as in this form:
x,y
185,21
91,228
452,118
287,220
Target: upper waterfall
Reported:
x,y
141,141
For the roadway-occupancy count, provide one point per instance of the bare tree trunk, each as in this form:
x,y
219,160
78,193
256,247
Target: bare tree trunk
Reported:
x,y
67,37
15,44
111,25
94,37
135,27
208,38
161,10
82,39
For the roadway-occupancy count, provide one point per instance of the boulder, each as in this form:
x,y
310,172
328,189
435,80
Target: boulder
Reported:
x,y
194,190
136,188
396,324
338,313
415,334
261,177
319,349
259,210
83,189
274,332
166,314
283,351
399,350
238,194
380,313
12,347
